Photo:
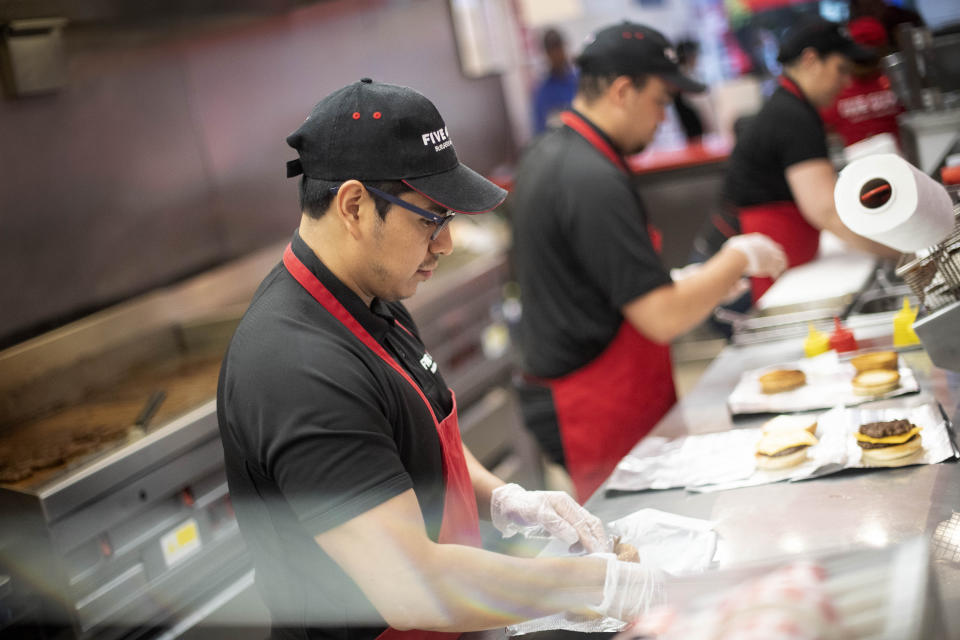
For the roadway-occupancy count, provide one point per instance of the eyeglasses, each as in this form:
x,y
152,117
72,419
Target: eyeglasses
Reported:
x,y
441,220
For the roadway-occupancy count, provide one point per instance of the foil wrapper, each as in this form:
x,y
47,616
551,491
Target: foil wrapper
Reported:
x,y
725,460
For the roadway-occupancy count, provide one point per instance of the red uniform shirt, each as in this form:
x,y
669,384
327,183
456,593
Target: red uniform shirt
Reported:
x,y
864,109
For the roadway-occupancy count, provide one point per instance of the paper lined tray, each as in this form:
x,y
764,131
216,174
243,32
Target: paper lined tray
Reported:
x,y
725,460
828,385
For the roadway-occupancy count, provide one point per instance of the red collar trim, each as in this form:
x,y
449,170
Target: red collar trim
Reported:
x,y
589,133
791,86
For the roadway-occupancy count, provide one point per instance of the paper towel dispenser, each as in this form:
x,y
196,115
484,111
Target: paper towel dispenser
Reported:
x,y
33,60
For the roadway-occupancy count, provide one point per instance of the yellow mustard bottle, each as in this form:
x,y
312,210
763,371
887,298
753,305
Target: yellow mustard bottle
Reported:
x,y
817,342
903,333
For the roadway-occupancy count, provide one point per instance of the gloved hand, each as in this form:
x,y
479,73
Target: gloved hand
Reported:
x,y
738,289
536,514
629,589
764,256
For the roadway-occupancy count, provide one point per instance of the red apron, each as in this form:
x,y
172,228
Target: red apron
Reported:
x,y
460,523
782,222
605,407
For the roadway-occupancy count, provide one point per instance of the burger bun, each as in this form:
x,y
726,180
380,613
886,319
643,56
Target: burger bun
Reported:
x,y
894,455
875,382
781,380
788,422
771,463
875,360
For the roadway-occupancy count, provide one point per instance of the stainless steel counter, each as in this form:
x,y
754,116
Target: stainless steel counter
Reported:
x,y
852,509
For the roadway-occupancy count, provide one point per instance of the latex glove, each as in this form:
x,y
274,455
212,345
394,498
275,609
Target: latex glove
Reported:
x,y
540,514
764,256
738,289
685,272
629,589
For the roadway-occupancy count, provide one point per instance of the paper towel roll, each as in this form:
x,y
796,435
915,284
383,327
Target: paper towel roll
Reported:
x,y
888,200
880,143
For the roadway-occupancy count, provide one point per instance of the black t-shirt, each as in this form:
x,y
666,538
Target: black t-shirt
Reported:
x,y
581,251
316,430
788,130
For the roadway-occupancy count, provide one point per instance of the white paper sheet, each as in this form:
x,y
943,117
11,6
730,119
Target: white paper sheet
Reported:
x,y
828,385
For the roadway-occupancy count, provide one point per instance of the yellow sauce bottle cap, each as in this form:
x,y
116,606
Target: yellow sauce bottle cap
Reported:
x,y
817,342
903,333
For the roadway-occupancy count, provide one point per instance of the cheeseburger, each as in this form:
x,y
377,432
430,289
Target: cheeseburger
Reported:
x,y
883,443
783,448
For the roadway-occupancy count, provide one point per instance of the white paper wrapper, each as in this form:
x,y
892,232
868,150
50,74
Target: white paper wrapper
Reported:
x,y
828,385
675,544
728,461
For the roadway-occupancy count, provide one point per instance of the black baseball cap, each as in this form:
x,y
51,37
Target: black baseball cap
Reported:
x,y
633,49
824,36
376,131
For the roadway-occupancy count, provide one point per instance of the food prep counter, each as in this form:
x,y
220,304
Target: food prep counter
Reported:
x,y
851,510
844,511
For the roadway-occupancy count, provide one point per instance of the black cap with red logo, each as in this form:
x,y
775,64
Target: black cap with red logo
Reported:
x,y
376,131
823,36
633,49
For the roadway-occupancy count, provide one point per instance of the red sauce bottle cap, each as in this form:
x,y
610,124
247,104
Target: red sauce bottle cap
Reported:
x,y
842,338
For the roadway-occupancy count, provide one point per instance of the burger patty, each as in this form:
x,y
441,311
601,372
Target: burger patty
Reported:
x,y
881,445
785,452
884,429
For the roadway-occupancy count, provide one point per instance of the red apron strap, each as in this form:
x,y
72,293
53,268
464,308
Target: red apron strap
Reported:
x,y
791,86
322,295
590,134
656,238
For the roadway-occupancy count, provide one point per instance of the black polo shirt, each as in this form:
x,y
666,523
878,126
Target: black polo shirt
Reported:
x,y
788,130
582,251
316,430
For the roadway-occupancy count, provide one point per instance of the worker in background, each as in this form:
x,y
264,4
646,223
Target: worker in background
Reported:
x,y
867,106
780,178
599,308
687,53
557,88
890,16
358,502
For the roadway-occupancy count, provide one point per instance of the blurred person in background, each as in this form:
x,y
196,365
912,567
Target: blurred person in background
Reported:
x,y
780,178
687,53
353,491
867,106
556,90
599,307
890,16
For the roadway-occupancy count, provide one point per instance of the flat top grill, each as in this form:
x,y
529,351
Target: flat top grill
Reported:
x,y
35,451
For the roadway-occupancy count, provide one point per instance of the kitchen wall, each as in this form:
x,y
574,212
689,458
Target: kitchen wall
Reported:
x,y
164,153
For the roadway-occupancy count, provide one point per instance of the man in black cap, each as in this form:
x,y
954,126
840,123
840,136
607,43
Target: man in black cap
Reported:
x,y
358,502
780,178
599,308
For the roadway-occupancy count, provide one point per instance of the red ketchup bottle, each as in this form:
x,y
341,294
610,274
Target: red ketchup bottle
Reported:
x,y
842,338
